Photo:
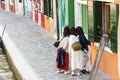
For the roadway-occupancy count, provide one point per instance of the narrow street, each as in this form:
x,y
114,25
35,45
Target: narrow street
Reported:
x,y
31,50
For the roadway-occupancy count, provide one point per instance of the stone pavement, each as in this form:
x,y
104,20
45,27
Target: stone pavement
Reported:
x,y
32,51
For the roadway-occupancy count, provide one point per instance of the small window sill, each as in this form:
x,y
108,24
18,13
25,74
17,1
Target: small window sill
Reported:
x,y
3,1
106,48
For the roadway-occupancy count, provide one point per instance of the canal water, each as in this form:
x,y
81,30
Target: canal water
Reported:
x,y
6,72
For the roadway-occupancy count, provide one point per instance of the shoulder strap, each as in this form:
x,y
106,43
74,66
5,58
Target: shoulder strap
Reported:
x,y
62,39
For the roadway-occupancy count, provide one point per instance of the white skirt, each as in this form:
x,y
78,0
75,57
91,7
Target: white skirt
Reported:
x,y
76,60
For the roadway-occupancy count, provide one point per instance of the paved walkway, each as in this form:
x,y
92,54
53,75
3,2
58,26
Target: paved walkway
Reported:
x,y
32,51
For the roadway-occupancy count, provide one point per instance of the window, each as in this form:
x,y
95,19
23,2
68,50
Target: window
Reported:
x,y
113,26
20,1
110,24
38,1
106,20
103,18
48,7
90,21
11,2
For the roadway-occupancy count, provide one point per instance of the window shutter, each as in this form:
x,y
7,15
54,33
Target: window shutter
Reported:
x,y
94,21
20,1
90,21
84,19
113,27
98,20
49,8
45,7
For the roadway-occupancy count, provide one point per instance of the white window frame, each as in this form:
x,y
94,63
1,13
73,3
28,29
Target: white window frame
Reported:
x,y
106,48
82,2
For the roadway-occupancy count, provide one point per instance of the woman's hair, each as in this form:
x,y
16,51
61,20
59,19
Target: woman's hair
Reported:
x,y
66,31
79,30
73,31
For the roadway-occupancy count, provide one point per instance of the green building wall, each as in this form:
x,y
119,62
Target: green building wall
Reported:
x,y
70,11
61,15
84,19
65,14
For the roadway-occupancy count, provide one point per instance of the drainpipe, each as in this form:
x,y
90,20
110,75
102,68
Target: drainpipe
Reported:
x,y
23,8
119,42
56,22
57,19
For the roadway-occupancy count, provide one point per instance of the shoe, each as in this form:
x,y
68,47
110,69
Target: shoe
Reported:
x,y
73,74
87,72
66,72
60,71
83,71
78,74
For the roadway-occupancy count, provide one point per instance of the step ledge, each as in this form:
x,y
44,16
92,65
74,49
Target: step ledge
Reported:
x,y
24,70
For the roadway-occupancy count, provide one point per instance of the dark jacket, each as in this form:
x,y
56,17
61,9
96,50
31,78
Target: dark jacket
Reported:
x,y
60,57
84,42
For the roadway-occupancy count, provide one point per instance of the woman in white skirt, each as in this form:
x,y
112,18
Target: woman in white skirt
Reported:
x,y
76,56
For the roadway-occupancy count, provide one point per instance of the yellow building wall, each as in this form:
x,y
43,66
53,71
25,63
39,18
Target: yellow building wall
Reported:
x,y
108,64
47,23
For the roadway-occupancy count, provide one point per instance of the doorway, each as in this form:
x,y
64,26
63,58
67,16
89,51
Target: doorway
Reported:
x,y
106,18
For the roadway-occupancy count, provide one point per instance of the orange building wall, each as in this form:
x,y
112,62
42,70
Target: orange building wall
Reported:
x,y
116,1
108,64
47,23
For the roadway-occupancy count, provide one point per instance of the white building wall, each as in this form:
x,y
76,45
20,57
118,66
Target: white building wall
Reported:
x,y
33,12
66,12
7,2
20,8
78,13
16,7
55,18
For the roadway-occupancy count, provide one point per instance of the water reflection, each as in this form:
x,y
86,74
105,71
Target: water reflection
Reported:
x,y
5,70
